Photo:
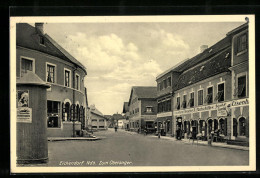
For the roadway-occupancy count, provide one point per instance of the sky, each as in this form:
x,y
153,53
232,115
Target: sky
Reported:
x,y
121,55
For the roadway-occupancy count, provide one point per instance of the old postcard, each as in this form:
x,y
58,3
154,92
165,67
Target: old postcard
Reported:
x,y
132,94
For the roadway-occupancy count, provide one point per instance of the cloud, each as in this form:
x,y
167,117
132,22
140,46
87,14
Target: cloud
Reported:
x,y
114,65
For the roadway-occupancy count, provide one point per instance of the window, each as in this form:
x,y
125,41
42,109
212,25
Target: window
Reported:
x,y
200,97
26,64
77,82
94,120
169,103
169,81
220,94
242,43
101,126
164,84
41,40
209,95
67,78
66,111
184,101
50,73
52,122
149,109
178,103
191,101
101,120
53,106
241,86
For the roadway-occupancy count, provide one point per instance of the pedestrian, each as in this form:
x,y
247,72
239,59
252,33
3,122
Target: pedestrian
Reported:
x,y
159,134
115,128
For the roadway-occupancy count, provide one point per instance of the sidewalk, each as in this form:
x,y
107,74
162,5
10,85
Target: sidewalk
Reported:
x,y
205,143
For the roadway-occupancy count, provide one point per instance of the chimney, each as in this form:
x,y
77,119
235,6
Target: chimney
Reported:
x,y
39,28
203,48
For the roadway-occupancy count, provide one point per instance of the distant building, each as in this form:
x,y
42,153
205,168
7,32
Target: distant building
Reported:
x,y
142,108
97,120
66,99
126,115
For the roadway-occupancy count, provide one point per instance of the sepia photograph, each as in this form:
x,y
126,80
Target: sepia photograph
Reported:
x,y
132,94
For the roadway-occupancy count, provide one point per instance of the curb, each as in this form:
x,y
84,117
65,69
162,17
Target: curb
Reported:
x,y
68,139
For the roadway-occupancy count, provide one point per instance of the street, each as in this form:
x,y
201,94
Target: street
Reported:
x,y
130,149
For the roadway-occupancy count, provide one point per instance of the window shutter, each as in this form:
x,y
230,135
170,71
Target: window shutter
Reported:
x,y
63,111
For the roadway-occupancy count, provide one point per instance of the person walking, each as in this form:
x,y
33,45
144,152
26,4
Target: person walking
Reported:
x,y
115,128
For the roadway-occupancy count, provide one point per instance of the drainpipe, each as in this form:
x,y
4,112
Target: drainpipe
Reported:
x,y
73,100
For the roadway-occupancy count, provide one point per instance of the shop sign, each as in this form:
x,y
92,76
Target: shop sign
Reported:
x,y
222,111
186,111
206,108
240,102
24,114
164,114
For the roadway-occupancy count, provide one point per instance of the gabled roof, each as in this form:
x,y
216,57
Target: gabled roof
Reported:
x,y
125,107
143,92
205,55
215,65
28,37
94,110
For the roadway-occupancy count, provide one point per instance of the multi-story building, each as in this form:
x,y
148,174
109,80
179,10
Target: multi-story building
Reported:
x,y
142,108
97,121
165,82
240,84
66,99
211,93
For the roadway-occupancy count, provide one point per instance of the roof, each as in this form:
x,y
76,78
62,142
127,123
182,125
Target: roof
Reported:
x,y
240,28
28,37
30,78
145,91
94,110
205,55
125,107
117,116
215,65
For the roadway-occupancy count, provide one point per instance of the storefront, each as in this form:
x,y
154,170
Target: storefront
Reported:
x,y
163,123
204,120
240,119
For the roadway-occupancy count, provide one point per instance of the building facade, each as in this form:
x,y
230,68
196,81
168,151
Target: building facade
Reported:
x,y
66,98
142,108
97,121
211,93
126,115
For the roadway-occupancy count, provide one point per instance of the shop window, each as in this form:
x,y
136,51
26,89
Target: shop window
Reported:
x,y
242,43
200,97
221,126
184,101
242,126
209,95
26,64
101,126
94,126
66,112
50,73
220,94
53,122
241,88
67,78
191,101
53,107
178,103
